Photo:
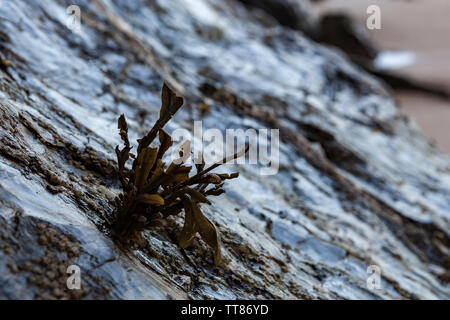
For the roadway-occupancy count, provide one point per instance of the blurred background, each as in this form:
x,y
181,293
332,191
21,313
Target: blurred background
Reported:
x,y
416,34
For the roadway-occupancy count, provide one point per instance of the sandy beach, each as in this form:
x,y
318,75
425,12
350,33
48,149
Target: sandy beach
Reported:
x,y
422,27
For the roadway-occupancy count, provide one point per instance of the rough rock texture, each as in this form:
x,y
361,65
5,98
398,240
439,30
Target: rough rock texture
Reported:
x,y
358,184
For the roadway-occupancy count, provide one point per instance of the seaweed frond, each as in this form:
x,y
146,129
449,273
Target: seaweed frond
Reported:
x,y
151,189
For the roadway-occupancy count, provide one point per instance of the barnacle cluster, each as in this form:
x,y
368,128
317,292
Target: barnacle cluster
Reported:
x,y
151,189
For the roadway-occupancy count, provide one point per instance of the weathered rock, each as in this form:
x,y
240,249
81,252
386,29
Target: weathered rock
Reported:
x,y
294,14
358,184
340,30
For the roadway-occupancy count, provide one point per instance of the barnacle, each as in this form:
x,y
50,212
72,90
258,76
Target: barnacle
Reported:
x,y
153,189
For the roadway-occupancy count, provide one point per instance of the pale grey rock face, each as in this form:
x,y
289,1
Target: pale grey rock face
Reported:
x,y
358,183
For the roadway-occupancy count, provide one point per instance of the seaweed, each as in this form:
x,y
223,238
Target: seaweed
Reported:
x,y
151,189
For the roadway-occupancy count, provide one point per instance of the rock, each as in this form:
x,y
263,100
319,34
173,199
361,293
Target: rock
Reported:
x,y
184,281
294,14
340,30
358,184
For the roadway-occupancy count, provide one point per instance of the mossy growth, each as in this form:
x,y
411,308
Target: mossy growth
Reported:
x,y
151,189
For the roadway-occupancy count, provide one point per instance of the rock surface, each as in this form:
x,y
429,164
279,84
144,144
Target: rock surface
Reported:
x,y
358,183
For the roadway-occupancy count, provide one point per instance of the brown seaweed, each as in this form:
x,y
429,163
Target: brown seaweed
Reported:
x,y
152,189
